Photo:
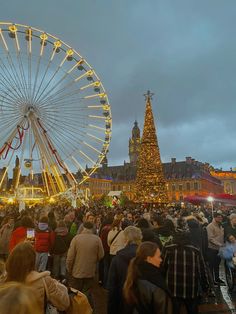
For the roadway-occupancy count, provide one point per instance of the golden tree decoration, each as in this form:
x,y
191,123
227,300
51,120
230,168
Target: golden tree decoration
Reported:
x,y
150,185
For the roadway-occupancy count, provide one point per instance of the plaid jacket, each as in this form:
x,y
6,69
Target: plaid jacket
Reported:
x,y
184,268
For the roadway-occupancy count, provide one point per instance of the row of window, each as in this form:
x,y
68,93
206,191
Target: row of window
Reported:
x,y
185,186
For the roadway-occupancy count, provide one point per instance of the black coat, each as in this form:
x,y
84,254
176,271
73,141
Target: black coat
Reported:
x,y
117,277
152,293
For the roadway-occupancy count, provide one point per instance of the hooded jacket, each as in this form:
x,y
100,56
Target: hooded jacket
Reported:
x,y
57,293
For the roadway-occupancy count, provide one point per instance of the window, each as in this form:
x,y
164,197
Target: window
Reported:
x,y
180,187
195,185
188,186
173,187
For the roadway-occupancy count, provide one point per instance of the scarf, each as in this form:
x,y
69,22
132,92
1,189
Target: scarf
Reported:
x,y
152,274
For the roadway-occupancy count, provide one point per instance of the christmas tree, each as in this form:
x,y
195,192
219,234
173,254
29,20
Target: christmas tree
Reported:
x,y
150,186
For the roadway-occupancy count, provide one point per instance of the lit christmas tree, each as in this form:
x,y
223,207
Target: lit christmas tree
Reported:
x,y
150,185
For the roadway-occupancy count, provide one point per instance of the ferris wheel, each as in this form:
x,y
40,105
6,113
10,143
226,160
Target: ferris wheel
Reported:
x,y
55,117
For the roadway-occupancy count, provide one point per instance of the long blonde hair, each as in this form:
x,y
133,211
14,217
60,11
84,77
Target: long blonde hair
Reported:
x,y
18,298
144,250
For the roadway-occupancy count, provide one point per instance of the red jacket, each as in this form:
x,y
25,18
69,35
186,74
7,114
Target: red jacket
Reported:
x,y
17,236
44,241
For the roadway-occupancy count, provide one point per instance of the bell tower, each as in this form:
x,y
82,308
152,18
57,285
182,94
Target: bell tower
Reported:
x,y
134,144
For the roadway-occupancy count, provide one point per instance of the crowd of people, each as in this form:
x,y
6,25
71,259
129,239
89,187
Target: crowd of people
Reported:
x,y
149,260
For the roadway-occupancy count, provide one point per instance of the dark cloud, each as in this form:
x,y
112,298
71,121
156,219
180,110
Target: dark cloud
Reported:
x,y
184,51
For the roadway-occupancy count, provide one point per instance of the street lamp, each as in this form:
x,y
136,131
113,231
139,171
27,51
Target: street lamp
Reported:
x,y
211,200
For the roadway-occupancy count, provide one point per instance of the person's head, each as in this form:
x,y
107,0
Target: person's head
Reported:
x,y
231,238
27,222
147,252
43,219
61,224
142,223
88,225
90,218
157,220
218,217
130,217
116,223
18,298
232,219
133,235
20,262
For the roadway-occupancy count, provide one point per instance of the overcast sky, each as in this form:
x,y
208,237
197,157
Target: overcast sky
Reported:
x,y
184,51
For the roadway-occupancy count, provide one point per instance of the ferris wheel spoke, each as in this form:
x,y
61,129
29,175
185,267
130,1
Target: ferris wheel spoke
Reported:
x,y
5,82
23,76
10,100
7,98
20,65
44,75
57,96
15,74
72,82
10,80
57,130
61,103
53,76
37,74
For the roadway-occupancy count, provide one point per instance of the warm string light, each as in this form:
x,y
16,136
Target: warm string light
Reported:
x,y
150,185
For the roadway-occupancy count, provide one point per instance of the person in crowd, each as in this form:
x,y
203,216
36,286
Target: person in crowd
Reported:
x,y
115,238
20,233
52,222
164,229
119,267
147,232
59,250
20,267
145,290
44,239
89,217
104,264
228,251
5,236
230,228
195,228
184,270
16,297
84,253
130,217
215,233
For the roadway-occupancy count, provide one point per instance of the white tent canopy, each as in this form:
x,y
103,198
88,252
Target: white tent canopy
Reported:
x,y
114,193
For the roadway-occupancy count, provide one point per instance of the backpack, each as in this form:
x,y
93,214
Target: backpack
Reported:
x,y
79,303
